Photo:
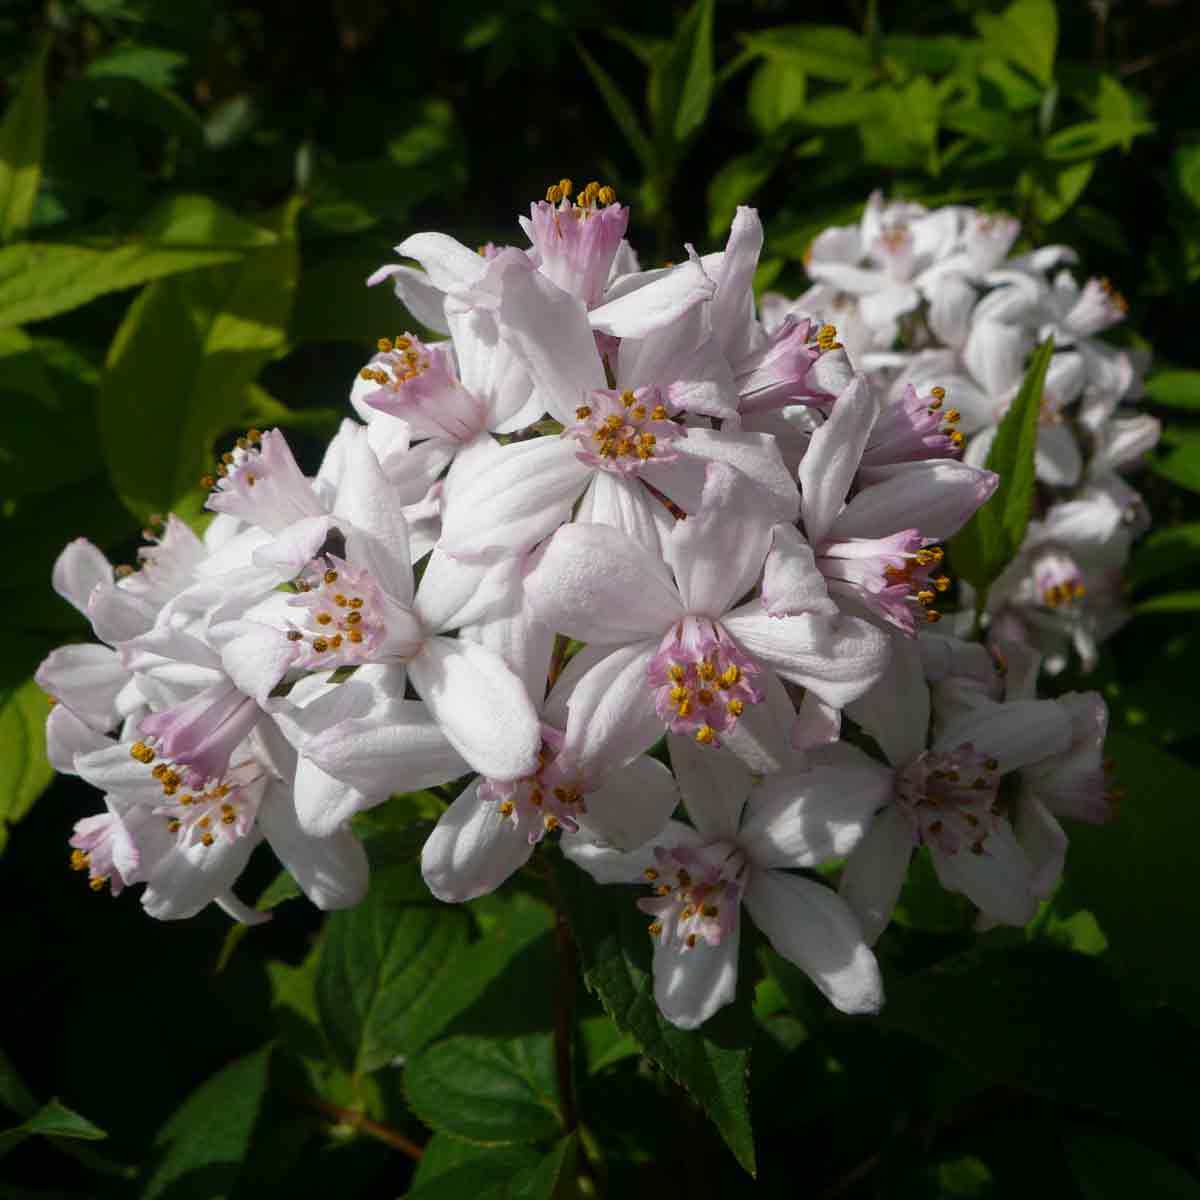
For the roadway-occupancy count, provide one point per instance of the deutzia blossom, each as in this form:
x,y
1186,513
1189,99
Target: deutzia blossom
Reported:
x,y
744,842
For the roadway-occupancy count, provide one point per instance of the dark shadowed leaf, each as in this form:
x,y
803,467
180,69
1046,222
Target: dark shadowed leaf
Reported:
x,y
1108,1166
487,1090
711,1063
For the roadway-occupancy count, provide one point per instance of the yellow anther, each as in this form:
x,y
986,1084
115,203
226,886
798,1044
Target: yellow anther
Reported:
x,y
678,694
729,677
704,696
735,708
628,399
582,413
705,669
228,818
356,602
550,821
932,616
676,672
691,941
97,884
174,825
384,345
705,735
553,194
353,618
655,928
402,342
938,393
204,822
685,707
956,438
141,752
924,557
952,416
658,413
537,797
606,195
638,413
650,873
925,596
324,618
335,641
687,913
208,839
663,889
320,645
80,860
340,600
294,635
355,635
186,799
566,188
506,808
941,582
330,576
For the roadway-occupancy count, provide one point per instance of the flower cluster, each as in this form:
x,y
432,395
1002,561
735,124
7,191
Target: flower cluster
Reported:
x,y
925,296
605,510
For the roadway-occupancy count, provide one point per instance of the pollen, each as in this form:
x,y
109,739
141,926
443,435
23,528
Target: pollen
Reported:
x,y
706,735
141,752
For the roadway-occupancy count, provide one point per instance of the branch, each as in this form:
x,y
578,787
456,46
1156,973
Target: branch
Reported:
x,y
357,1120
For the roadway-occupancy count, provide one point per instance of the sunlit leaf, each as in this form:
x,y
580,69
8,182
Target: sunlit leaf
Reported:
x,y
24,771
1026,33
22,144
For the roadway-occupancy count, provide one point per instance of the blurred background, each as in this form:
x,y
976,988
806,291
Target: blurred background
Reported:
x,y
192,193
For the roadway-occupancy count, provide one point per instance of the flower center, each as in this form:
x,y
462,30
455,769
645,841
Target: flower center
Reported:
x,y
549,799
696,893
619,431
913,429
225,810
702,680
93,851
1057,579
894,576
948,798
340,615
260,482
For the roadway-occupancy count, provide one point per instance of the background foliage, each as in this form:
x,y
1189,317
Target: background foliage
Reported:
x,y
191,195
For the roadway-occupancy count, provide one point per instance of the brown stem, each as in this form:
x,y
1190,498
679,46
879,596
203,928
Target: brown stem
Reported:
x,y
357,1120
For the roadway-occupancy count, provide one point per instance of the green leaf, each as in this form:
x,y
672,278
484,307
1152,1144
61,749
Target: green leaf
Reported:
x,y
155,66
1016,1017
556,1177
1108,1166
53,1119
184,233
986,544
179,366
379,962
486,1090
776,95
711,1063
1185,171
604,1044
681,80
847,107
1170,602
1052,188
451,1168
24,771
1175,388
823,51
13,1092
1026,33
1181,463
22,144
735,183
1137,874
1162,553
204,1143
621,110
260,409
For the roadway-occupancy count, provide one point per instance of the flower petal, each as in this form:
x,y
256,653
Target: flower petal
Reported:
x,y
634,308
714,785
690,985
813,927
874,873
632,806
999,882
78,571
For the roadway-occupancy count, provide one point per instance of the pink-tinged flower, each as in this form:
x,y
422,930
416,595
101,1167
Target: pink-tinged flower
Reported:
x,y
104,846
878,549
575,243
571,257
678,646
371,614
744,840
911,428
259,482
943,796
521,495
190,839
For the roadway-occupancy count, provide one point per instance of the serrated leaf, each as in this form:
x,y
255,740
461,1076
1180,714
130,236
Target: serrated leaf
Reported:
x,y
22,145
179,366
24,771
985,545
204,1143
1108,1166
1026,33
711,1063
556,1177
451,1168
823,51
487,1090
379,961
620,109
1040,1038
